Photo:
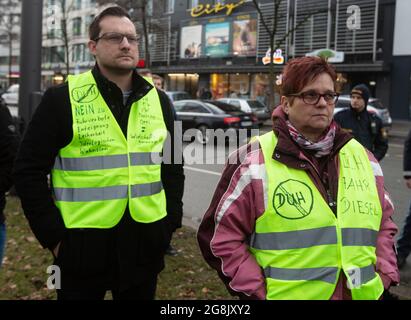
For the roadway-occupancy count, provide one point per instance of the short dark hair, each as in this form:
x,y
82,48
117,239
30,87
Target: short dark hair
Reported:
x,y
116,11
300,71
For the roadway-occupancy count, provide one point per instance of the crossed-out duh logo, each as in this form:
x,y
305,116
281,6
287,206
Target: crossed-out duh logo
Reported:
x,y
293,199
85,94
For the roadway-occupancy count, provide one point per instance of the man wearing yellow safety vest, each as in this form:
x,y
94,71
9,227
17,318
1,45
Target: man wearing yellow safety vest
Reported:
x,y
114,200
301,212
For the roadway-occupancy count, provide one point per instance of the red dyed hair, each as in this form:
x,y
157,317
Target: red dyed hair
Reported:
x,y
301,71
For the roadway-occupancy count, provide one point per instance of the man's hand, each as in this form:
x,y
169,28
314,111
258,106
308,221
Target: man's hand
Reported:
x,y
56,250
408,182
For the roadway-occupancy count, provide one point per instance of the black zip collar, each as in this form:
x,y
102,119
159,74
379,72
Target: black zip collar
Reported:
x,y
109,90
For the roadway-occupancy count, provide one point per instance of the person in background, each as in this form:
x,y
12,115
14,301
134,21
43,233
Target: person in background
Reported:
x,y
158,81
8,149
404,241
365,126
205,94
301,212
113,203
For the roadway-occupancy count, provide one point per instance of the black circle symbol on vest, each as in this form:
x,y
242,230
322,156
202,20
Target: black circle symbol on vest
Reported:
x,y
293,199
85,94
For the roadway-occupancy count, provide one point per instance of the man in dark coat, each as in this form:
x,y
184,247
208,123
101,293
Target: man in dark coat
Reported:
x,y
366,127
127,256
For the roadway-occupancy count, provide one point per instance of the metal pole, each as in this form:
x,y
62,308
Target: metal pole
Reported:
x,y
30,54
329,18
374,49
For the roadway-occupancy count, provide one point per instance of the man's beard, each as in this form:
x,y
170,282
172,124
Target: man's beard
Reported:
x,y
119,69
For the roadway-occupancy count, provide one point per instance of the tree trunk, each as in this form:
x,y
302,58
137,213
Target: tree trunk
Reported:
x,y
10,55
145,31
271,77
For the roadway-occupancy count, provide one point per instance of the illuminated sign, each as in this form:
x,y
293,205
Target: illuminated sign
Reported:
x,y
278,57
202,9
331,56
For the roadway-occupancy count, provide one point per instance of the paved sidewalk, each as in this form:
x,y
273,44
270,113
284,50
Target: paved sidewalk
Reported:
x,y
400,128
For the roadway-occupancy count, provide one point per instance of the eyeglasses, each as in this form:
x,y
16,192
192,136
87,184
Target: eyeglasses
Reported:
x,y
312,97
117,38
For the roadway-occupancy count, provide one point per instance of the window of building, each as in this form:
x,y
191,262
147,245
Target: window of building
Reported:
x,y
78,53
149,7
234,85
77,4
16,19
169,6
88,20
192,4
76,26
58,54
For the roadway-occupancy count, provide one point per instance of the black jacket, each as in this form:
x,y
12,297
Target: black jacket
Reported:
x,y
119,256
407,156
366,128
8,149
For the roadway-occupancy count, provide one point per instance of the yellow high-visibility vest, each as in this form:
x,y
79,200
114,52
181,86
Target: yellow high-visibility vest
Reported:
x,y
101,171
299,242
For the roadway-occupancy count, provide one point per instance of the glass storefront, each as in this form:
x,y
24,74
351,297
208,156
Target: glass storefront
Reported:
x,y
182,82
241,85
234,85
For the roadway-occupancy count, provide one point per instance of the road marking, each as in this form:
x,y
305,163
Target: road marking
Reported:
x,y
203,171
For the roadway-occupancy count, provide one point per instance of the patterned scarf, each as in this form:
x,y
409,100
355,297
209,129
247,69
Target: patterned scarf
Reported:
x,y
323,147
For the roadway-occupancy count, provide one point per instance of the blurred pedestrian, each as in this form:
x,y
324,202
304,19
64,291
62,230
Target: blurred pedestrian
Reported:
x,y
404,242
301,212
158,81
114,203
205,94
366,127
8,149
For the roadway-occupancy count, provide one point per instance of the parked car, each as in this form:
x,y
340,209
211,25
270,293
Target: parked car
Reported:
x,y
178,95
374,106
11,96
247,105
207,114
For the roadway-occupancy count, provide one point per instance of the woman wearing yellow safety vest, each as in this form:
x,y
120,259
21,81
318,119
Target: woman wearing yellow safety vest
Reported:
x,y
301,211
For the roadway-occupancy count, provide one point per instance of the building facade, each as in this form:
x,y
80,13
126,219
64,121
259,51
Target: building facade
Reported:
x,y
401,64
65,38
221,44
10,14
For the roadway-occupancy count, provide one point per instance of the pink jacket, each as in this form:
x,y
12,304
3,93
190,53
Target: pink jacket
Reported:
x,y
240,199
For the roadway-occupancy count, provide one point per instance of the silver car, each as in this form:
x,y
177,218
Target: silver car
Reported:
x,y
374,106
247,105
178,95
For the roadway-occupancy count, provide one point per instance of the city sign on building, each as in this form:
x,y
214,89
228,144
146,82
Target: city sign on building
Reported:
x,y
203,9
278,57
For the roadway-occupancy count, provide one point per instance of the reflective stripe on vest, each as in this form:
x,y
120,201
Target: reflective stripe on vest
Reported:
x,y
299,242
313,237
100,172
107,162
107,193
